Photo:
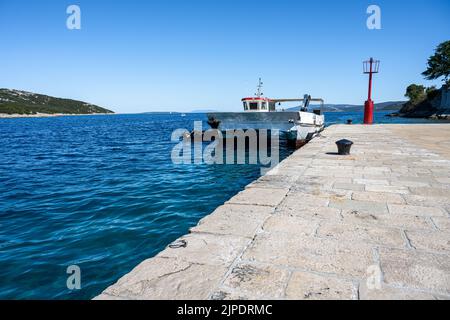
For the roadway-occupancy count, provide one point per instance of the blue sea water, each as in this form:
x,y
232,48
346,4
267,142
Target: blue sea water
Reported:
x,y
102,193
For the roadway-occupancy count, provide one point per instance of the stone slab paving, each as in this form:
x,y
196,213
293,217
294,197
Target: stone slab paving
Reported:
x,y
372,225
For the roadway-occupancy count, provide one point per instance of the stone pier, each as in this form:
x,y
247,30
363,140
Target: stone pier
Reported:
x,y
372,225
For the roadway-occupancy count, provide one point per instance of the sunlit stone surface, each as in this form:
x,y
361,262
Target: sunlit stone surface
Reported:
x,y
372,225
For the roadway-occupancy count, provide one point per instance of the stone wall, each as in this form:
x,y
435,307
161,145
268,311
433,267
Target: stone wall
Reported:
x,y
445,100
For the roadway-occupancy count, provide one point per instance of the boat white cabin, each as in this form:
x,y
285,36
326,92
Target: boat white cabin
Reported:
x,y
257,104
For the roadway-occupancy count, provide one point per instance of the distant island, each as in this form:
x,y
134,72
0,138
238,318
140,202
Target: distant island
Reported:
x,y
203,111
23,103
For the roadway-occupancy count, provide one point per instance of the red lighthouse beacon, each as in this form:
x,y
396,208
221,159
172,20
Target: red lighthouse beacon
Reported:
x,y
370,67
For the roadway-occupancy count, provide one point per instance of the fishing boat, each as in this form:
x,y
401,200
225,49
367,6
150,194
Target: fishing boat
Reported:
x,y
261,113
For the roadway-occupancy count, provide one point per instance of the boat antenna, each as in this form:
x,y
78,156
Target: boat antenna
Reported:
x,y
259,87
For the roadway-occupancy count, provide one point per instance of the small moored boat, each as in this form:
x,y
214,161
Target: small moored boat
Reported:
x,y
261,113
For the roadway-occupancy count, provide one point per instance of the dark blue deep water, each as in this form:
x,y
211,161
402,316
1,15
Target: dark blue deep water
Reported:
x,y
102,193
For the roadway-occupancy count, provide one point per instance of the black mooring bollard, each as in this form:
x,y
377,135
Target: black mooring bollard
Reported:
x,y
350,121
344,147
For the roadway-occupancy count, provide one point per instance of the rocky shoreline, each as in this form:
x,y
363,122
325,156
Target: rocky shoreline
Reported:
x,y
435,107
412,115
46,115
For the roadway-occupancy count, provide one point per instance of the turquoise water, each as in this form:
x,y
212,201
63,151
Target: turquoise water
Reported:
x,y
101,192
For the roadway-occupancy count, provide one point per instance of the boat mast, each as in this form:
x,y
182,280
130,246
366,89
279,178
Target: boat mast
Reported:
x,y
259,87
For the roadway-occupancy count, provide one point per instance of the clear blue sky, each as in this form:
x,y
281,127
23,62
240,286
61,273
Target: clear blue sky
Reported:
x,y
168,55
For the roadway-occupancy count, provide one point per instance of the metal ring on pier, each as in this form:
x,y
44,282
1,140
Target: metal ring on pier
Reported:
x,y
178,244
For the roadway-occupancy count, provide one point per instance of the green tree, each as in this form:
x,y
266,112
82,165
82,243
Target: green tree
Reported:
x,y
415,93
431,92
439,63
